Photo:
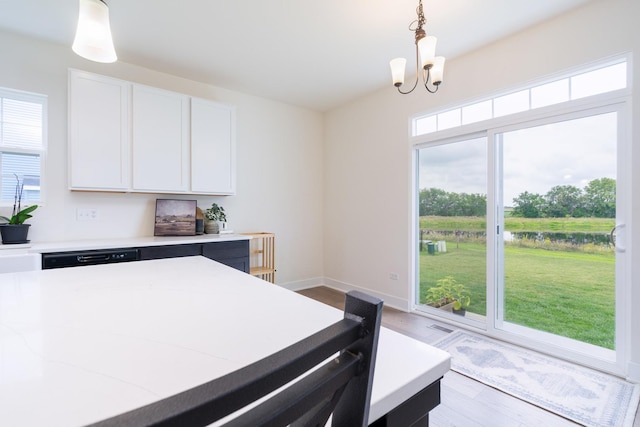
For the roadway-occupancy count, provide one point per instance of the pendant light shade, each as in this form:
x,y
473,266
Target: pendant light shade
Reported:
x,y
93,37
427,49
397,71
438,70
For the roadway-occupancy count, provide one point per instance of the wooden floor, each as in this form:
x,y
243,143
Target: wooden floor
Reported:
x,y
465,402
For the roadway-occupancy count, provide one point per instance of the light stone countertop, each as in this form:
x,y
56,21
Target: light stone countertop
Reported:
x,y
77,245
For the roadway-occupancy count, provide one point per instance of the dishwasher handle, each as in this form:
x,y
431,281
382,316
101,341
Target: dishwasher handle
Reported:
x,y
84,259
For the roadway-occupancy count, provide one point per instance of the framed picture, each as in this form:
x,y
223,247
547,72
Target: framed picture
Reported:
x,y
175,217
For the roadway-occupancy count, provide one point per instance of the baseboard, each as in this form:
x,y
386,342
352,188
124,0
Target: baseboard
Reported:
x,y
389,300
633,372
299,285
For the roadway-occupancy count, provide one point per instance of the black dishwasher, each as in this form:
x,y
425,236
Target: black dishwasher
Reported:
x,y
90,257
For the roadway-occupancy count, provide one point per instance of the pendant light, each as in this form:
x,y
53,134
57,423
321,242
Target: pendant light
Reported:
x,y
93,37
427,63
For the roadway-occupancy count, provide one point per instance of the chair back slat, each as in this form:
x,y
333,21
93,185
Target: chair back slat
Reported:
x,y
341,386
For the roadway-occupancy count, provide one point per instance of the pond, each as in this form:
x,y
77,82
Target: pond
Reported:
x,y
576,238
573,238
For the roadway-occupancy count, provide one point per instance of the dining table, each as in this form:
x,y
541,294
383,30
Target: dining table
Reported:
x,y
82,344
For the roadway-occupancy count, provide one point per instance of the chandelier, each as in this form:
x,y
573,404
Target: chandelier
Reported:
x,y
427,63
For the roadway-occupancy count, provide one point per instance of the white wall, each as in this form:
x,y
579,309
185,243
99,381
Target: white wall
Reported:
x,y
279,162
368,157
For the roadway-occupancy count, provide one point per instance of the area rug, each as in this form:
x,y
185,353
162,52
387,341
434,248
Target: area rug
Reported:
x,y
580,394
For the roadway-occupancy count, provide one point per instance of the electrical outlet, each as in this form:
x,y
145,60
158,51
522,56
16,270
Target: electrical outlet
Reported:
x,y
393,276
86,214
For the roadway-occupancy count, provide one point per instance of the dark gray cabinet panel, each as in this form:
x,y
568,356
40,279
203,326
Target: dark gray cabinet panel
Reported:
x,y
232,253
170,251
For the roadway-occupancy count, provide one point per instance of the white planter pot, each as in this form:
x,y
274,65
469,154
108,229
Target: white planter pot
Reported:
x,y
211,227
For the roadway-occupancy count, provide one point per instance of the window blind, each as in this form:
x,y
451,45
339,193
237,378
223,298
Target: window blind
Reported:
x,y
22,124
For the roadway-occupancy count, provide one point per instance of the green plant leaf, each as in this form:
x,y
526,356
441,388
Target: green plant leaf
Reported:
x,y
21,216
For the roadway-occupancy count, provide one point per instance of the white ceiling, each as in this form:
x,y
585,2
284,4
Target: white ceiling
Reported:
x,y
317,54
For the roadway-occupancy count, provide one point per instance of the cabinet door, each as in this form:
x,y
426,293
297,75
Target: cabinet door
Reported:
x,y
170,251
160,140
99,144
241,264
213,151
234,253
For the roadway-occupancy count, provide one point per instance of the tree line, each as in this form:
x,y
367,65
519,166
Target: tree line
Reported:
x,y
597,199
437,202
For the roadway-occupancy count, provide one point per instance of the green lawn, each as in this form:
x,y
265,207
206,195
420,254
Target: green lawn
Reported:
x,y
566,293
467,264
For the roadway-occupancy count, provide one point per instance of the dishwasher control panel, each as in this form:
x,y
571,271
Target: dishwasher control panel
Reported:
x,y
93,257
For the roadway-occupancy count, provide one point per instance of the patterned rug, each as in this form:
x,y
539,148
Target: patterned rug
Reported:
x,y
580,394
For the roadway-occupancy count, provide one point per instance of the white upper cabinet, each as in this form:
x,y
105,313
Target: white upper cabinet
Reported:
x,y
160,122
213,150
129,137
99,144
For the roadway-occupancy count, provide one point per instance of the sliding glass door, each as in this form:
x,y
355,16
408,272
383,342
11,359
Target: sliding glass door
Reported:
x,y
452,243
557,214
521,231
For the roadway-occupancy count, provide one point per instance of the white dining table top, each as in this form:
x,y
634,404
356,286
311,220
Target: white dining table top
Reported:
x,y
78,345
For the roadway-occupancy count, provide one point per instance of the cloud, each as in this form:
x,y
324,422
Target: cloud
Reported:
x,y
572,152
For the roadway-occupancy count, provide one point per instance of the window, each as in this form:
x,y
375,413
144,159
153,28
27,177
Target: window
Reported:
x,y
22,144
510,104
477,112
579,85
449,119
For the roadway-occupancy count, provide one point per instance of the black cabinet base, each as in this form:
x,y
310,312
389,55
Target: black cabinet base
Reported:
x,y
414,412
234,253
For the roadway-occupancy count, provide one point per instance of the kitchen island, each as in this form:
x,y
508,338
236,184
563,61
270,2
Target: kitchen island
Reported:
x,y
82,344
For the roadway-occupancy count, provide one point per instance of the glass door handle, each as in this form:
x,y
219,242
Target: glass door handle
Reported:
x,y
613,240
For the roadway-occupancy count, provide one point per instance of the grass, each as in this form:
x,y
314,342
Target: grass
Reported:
x,y
565,293
467,264
571,294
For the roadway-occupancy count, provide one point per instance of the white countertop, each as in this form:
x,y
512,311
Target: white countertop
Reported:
x,y
81,344
78,245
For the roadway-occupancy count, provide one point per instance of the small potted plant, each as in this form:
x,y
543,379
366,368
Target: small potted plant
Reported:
x,y
15,230
213,217
449,295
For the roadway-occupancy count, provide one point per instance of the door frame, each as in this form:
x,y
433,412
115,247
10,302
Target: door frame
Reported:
x,y
617,364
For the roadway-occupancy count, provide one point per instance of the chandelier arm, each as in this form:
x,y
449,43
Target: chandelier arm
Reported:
x,y
431,91
412,89
415,85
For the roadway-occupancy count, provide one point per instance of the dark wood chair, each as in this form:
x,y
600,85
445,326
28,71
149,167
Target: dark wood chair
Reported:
x,y
340,386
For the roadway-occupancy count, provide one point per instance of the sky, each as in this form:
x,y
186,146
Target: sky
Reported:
x,y
536,159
